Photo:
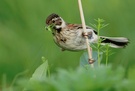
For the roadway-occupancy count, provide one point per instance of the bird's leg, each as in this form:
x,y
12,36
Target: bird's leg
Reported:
x,y
62,49
89,35
91,61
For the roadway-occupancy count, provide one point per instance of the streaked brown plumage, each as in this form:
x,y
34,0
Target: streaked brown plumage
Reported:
x,y
70,36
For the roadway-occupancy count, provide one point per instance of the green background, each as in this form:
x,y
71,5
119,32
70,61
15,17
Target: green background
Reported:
x,y
24,40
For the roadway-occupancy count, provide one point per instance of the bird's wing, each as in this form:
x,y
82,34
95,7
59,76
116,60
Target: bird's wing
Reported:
x,y
79,26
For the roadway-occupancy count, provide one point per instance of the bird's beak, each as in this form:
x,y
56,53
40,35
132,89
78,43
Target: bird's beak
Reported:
x,y
49,27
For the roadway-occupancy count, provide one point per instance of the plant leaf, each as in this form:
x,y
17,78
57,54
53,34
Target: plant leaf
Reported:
x,y
84,58
41,72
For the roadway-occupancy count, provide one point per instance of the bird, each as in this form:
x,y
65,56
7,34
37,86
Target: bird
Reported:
x,y
71,37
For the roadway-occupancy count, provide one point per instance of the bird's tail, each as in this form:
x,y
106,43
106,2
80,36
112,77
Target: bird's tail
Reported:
x,y
115,42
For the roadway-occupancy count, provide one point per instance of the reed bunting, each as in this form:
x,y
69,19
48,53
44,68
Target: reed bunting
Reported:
x,y
70,36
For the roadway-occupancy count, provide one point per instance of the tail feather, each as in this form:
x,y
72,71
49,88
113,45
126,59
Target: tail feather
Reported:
x,y
115,42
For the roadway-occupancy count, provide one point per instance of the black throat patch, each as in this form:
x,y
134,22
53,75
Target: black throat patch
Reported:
x,y
59,30
55,30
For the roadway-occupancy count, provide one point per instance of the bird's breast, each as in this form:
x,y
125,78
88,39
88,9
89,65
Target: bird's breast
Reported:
x,y
70,40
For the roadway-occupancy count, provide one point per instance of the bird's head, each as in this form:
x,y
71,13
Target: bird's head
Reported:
x,y
56,21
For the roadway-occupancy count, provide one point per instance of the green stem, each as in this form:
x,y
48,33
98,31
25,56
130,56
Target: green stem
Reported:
x,y
99,26
48,71
107,52
98,57
4,82
99,42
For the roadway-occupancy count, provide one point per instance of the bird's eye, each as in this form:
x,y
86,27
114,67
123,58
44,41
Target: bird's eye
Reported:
x,y
53,21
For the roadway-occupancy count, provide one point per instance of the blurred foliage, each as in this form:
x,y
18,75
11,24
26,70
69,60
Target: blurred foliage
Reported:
x,y
102,78
23,39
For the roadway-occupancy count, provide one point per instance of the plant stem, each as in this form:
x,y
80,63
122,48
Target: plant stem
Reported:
x,y
107,52
4,82
99,41
84,30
